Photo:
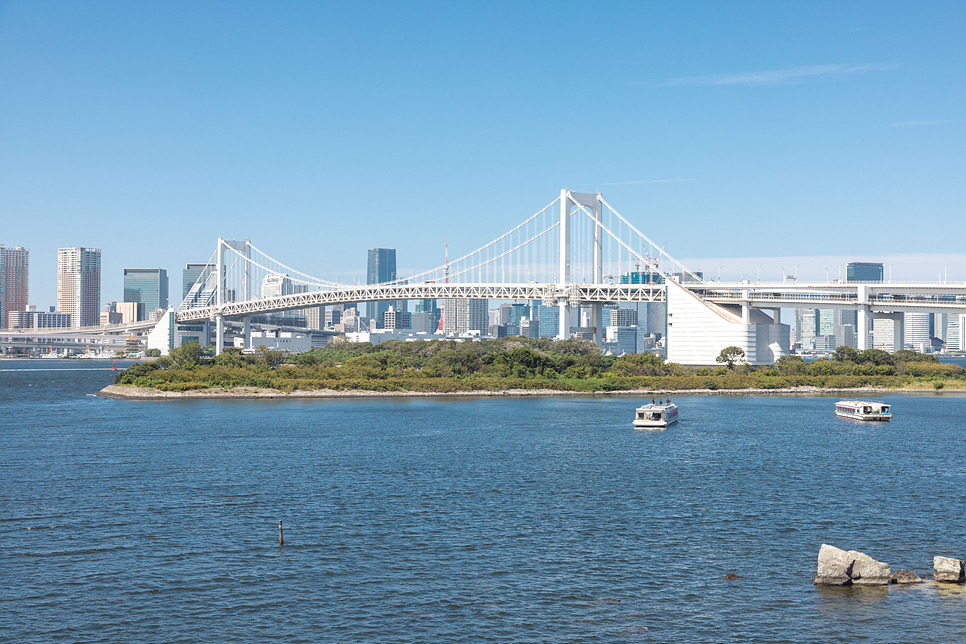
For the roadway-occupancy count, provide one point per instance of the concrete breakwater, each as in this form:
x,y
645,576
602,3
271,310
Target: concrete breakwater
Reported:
x,y
838,567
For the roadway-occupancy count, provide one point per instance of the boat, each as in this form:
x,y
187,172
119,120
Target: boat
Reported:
x,y
863,410
656,415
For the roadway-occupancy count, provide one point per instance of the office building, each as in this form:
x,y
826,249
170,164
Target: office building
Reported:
x,y
200,273
516,313
147,286
549,318
621,317
864,272
462,316
110,315
393,319
34,319
621,339
918,331
131,311
883,334
275,285
381,268
79,285
14,282
423,322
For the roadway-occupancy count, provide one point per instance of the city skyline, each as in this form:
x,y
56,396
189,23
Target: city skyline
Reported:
x,y
721,130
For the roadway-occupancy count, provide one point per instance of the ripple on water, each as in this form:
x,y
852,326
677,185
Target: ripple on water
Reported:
x,y
442,521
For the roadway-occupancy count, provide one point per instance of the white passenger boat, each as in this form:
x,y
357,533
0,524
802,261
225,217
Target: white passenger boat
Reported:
x,y
863,410
656,415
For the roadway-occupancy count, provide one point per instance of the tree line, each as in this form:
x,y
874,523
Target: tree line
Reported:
x,y
519,363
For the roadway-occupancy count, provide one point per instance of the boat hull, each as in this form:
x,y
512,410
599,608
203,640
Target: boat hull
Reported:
x,y
872,417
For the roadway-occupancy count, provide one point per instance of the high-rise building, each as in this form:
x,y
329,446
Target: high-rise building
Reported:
x,y
147,286
516,313
380,268
393,319
14,282
549,321
190,275
864,272
79,285
461,316
623,317
918,331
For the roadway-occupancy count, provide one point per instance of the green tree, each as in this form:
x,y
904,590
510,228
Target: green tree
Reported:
x,y
846,354
730,356
187,356
790,365
272,357
153,353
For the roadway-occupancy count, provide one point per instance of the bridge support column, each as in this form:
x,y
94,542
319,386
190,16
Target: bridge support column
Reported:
x,y
248,332
862,319
745,307
563,314
219,333
899,332
597,321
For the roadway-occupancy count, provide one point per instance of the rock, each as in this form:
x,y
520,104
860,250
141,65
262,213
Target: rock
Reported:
x,y
948,570
866,571
903,576
834,567
840,568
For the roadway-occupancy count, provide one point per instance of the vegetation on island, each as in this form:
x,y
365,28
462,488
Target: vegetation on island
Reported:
x,y
520,363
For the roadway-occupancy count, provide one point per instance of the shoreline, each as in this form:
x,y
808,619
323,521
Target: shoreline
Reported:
x,y
128,392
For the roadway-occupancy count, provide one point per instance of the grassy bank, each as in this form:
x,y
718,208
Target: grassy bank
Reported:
x,y
574,365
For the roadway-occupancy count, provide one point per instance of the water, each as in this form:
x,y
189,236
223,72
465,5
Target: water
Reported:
x,y
517,520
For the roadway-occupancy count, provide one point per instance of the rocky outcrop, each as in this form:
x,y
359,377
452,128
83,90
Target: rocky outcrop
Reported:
x,y
834,567
842,568
903,576
948,570
866,571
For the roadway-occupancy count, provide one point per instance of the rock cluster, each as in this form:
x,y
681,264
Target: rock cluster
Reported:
x,y
843,568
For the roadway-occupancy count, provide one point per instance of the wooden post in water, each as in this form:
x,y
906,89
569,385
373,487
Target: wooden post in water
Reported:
x,y
281,541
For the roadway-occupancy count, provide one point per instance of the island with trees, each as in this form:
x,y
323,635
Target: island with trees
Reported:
x,y
517,365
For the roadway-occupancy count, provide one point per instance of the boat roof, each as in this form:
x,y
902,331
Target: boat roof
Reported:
x,y
860,402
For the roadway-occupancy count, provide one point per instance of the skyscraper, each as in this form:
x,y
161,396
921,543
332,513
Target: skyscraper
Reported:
x,y
79,285
460,316
381,268
190,275
14,282
147,286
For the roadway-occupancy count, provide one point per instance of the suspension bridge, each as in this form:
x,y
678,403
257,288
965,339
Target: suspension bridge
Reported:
x,y
571,254
577,254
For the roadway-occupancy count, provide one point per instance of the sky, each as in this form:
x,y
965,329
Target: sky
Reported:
x,y
738,134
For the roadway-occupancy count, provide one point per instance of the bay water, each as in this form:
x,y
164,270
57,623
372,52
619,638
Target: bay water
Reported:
x,y
545,519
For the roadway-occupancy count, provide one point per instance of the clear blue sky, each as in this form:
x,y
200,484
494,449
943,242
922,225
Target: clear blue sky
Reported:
x,y
731,130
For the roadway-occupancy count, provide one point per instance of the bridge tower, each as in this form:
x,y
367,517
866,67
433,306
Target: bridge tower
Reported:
x,y
567,301
244,248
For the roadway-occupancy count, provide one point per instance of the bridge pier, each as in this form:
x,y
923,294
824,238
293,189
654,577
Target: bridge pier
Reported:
x,y
862,319
745,306
248,332
219,333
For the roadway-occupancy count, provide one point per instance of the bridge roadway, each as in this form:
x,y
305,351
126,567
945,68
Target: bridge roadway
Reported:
x,y
880,297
